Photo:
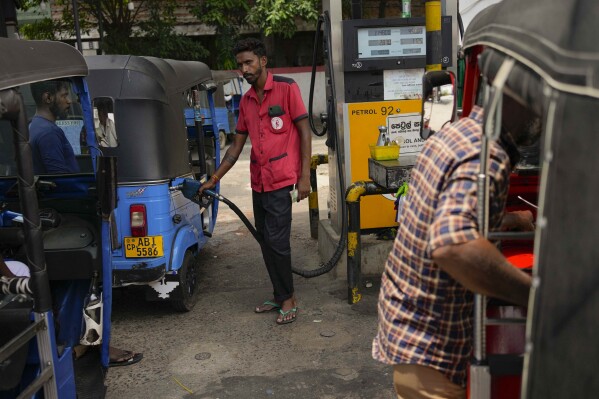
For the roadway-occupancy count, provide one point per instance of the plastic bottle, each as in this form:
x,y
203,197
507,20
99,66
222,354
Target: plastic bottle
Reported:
x,y
382,140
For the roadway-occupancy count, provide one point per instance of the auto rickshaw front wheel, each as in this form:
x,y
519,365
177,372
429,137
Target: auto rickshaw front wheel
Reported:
x,y
185,295
222,137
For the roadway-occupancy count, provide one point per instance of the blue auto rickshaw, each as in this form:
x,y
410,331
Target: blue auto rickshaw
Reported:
x,y
57,228
219,107
157,233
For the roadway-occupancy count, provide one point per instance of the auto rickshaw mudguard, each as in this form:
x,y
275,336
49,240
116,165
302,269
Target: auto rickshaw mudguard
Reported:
x,y
186,237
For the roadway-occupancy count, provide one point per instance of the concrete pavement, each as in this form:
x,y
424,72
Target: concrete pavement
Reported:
x,y
222,349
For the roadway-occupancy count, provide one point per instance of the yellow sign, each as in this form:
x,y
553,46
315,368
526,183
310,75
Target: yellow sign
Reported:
x,y
143,247
363,119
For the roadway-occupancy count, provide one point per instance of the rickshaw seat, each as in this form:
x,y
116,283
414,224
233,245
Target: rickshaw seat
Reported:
x,y
72,250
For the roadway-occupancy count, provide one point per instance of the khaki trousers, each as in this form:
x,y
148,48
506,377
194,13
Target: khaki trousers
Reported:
x,y
420,382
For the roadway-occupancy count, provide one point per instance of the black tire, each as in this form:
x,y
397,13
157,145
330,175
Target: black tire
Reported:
x,y
222,136
185,295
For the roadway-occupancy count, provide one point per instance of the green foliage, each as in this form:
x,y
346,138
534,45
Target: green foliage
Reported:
x,y
226,17
221,13
157,37
52,29
125,33
41,30
278,17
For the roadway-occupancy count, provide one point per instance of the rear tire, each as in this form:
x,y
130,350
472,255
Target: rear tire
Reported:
x,y
222,136
186,293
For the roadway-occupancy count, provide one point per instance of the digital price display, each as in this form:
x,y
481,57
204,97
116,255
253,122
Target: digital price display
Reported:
x,y
391,42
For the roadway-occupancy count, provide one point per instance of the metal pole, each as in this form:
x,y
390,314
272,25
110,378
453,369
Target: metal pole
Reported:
x,y
3,30
100,27
434,42
77,29
313,198
197,116
354,252
354,242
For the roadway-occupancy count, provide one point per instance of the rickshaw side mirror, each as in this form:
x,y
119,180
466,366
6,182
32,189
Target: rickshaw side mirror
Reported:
x,y
430,81
209,86
107,182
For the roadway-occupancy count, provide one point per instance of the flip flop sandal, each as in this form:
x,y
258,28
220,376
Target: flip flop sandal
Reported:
x,y
274,306
293,311
127,358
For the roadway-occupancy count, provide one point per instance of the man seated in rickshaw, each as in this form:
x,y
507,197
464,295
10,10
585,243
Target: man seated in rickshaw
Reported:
x,y
52,152
105,130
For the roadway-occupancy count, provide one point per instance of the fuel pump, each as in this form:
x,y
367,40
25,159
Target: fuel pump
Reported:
x,y
374,69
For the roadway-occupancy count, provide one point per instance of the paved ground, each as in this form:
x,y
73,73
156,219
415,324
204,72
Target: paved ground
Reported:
x,y
222,349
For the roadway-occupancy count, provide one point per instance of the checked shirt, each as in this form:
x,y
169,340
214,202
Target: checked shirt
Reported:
x,y
425,316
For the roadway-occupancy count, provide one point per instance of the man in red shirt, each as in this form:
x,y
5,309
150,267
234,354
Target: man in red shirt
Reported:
x,y
273,114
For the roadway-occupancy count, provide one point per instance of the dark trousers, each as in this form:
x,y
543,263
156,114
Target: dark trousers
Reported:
x,y
272,213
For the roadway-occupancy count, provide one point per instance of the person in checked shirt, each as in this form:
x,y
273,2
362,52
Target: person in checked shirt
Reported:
x,y
439,259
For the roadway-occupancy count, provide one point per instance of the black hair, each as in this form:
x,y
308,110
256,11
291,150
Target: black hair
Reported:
x,y
103,104
254,45
49,86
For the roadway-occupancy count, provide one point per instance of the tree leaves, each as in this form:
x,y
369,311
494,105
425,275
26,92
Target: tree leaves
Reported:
x,y
279,17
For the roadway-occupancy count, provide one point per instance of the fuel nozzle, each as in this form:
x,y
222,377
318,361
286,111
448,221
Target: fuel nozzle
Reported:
x,y
190,189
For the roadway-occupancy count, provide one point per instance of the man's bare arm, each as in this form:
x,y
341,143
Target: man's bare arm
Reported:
x,y
303,185
228,161
480,267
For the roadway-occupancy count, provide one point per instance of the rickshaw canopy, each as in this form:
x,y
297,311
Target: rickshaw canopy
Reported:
x,y
557,39
555,46
143,78
223,76
29,61
150,95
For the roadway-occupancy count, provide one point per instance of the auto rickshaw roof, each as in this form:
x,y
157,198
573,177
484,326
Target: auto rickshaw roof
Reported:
x,y
557,39
135,77
28,61
223,76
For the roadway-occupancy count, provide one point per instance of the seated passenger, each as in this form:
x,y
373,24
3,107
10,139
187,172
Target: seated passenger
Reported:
x,y
105,131
52,152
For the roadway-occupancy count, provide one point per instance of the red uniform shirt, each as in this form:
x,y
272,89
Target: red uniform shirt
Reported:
x,y
275,160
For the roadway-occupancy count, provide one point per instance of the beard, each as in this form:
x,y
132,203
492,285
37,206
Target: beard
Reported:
x,y
252,78
57,112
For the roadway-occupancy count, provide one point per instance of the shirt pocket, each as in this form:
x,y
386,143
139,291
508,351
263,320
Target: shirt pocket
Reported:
x,y
280,169
280,124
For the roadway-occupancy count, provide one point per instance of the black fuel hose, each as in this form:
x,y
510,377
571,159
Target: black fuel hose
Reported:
x,y
324,18
332,141
304,273
235,209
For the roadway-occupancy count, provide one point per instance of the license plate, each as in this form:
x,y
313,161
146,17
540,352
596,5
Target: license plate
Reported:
x,y
143,247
